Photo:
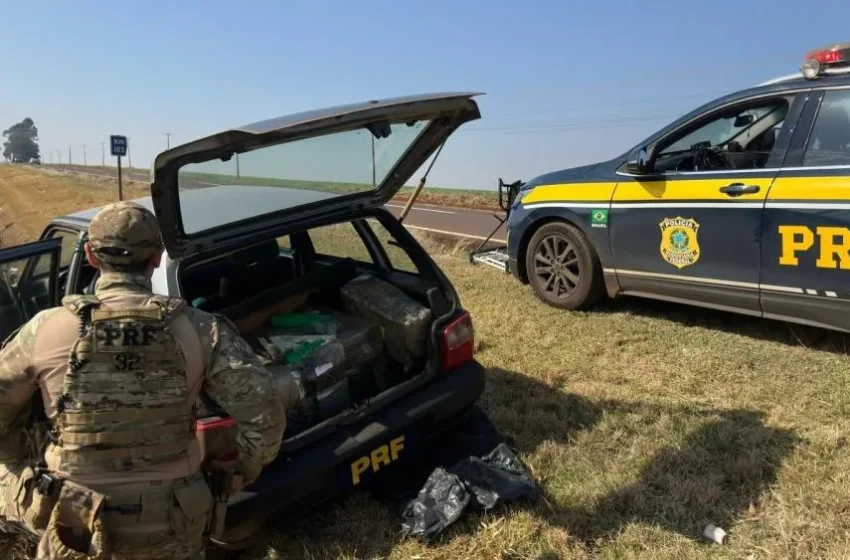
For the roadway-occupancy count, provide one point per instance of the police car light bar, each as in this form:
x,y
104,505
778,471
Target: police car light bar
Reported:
x,y
834,59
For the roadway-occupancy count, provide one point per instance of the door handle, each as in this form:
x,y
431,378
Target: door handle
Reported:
x,y
737,189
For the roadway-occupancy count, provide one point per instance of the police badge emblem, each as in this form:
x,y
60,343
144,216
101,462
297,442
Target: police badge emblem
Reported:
x,y
679,245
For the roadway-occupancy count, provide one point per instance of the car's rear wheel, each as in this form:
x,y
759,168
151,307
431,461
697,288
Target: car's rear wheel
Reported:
x,y
563,268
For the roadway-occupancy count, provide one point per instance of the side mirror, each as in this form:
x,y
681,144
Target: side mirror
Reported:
x,y
641,163
508,193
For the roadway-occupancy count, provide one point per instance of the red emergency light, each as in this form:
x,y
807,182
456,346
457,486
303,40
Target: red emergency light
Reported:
x,y
826,60
831,55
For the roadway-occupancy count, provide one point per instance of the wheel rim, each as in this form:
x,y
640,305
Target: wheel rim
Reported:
x,y
556,267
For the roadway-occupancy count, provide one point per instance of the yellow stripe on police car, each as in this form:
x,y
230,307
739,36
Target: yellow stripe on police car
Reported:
x,y
378,458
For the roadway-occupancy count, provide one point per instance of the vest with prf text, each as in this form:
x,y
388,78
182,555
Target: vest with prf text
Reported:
x,y
124,403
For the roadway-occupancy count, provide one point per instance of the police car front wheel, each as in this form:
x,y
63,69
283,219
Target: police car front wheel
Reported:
x,y
563,268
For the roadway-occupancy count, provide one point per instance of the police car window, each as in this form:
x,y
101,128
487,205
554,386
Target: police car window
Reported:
x,y
743,137
829,143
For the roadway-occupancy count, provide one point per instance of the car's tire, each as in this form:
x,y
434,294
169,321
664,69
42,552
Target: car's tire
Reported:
x,y
574,280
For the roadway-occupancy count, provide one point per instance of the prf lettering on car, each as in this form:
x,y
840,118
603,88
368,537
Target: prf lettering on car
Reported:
x,y
379,457
833,245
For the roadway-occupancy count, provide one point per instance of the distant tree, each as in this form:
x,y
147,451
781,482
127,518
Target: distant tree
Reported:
x,y
21,141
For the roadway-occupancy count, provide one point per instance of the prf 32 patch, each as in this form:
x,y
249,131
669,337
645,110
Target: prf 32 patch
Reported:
x,y
679,244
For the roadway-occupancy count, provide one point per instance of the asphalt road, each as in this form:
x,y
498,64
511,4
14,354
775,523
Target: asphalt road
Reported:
x,y
461,222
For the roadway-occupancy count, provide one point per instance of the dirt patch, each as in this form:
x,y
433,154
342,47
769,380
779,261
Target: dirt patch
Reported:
x,y
483,201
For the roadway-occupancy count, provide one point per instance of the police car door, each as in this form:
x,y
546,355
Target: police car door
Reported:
x,y
806,247
28,282
689,229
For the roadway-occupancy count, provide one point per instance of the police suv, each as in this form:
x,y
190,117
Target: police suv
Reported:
x,y
741,205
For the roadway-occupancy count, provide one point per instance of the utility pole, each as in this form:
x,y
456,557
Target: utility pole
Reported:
x,y
103,154
84,155
58,156
129,159
69,154
167,140
237,165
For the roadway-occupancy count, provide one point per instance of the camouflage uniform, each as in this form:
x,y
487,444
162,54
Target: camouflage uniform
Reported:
x,y
127,439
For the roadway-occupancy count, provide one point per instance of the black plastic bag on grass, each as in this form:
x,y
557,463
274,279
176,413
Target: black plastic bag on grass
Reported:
x,y
440,503
496,477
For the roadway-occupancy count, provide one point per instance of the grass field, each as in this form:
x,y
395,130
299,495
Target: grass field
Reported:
x,y
643,422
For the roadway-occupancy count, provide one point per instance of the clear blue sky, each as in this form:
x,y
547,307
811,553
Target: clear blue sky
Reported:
x,y
566,83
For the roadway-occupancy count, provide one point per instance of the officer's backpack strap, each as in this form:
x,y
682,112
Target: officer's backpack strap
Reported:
x,y
77,304
170,305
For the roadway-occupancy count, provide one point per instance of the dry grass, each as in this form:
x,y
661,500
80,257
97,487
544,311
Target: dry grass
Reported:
x,y
643,422
28,199
481,200
459,198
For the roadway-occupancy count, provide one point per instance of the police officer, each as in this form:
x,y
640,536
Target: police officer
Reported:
x,y
119,373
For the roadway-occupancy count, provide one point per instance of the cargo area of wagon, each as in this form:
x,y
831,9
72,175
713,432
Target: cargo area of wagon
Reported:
x,y
335,333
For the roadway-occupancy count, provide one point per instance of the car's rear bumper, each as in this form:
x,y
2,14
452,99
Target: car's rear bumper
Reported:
x,y
353,456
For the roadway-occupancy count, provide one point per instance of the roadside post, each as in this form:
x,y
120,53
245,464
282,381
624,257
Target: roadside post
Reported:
x,y
118,148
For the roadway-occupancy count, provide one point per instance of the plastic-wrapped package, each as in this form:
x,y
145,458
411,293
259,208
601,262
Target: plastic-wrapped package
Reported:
x,y
294,336
362,340
304,323
321,369
405,322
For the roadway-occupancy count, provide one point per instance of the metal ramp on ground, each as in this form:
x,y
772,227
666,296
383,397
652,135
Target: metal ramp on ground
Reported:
x,y
497,258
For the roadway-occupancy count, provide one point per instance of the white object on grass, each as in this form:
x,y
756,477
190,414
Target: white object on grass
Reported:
x,y
714,534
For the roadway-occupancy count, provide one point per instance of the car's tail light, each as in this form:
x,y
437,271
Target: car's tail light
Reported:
x,y
215,423
458,342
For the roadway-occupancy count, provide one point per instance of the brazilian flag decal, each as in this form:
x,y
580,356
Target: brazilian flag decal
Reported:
x,y
599,218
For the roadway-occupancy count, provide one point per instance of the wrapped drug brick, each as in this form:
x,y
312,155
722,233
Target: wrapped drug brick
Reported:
x,y
405,322
299,383
362,340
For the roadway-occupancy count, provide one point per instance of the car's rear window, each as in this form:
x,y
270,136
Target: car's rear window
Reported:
x,y
285,176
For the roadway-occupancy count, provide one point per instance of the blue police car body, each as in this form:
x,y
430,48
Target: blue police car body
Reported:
x,y
741,205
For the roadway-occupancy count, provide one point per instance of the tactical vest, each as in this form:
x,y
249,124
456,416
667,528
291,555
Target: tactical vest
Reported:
x,y
124,401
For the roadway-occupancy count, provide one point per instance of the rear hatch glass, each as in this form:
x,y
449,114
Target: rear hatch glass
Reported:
x,y
247,181
284,176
